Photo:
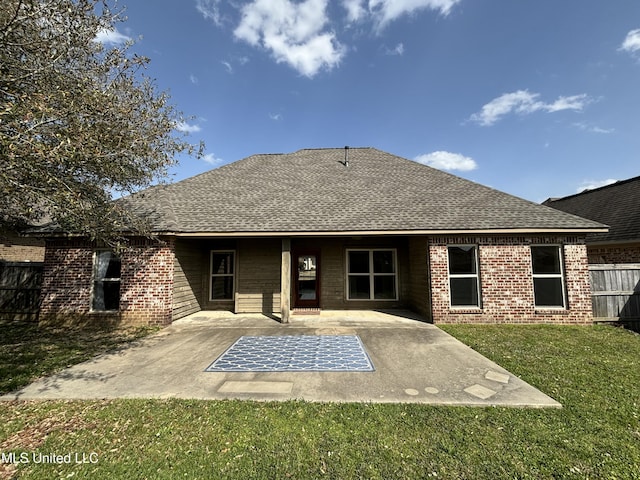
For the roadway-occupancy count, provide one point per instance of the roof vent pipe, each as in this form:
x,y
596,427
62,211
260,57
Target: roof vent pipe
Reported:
x,y
346,156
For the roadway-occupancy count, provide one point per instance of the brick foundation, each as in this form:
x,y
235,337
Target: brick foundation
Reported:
x,y
146,288
506,281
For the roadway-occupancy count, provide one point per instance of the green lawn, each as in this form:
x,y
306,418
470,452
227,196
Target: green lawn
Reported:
x,y
593,371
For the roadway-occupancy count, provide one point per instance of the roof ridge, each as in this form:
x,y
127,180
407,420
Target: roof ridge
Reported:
x,y
329,148
617,183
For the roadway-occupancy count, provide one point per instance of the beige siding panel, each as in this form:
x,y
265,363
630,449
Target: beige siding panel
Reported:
x,y
189,271
258,276
266,303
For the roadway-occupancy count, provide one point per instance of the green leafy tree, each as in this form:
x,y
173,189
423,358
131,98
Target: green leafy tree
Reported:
x,y
79,120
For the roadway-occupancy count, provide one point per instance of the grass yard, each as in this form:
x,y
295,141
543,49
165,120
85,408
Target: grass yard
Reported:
x,y
29,351
593,371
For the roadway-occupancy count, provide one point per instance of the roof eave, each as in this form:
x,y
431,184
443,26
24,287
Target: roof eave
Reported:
x,y
489,231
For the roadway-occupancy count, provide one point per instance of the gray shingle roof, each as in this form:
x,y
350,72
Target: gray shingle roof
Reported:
x,y
616,205
314,191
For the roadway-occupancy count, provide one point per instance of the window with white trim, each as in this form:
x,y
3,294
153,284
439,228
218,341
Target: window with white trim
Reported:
x,y
372,274
548,276
222,275
105,296
464,280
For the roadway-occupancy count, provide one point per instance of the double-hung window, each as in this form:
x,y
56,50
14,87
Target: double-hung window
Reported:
x,y
106,281
372,275
464,281
548,276
222,274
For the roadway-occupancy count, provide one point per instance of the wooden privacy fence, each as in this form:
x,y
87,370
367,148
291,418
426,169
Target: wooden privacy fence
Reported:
x,y
615,292
20,285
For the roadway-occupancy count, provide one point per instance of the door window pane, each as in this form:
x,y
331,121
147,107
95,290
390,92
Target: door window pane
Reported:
x,y
307,277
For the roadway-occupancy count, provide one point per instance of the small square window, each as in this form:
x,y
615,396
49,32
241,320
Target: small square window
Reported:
x,y
371,275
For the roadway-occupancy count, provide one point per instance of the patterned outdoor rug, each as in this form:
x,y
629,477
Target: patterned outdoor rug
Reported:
x,y
294,353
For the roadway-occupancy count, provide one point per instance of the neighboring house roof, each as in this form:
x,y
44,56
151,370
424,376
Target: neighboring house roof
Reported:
x,y
616,205
316,191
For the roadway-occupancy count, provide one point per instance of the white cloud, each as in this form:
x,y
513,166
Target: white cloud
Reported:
x,y
631,43
111,37
593,129
355,9
275,116
574,102
591,184
210,10
193,79
447,161
397,50
385,11
228,66
293,33
524,102
184,127
212,159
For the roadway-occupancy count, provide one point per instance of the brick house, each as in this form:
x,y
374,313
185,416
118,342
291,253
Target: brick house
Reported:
x,y
616,205
332,229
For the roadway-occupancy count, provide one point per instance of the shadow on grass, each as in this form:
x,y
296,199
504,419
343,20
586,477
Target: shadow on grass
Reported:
x,y
29,350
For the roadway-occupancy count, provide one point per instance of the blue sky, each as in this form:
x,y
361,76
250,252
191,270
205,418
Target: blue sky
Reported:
x,y
537,98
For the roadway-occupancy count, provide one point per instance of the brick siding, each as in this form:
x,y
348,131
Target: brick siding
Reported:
x,y
151,278
146,288
628,253
506,281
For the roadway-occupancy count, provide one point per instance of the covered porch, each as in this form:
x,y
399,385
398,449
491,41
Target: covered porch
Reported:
x,y
283,276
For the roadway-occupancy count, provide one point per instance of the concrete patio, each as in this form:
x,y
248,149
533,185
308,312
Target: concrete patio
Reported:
x,y
414,362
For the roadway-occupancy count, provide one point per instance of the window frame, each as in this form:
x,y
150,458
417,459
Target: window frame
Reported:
x,y
560,250
96,279
372,275
220,275
476,249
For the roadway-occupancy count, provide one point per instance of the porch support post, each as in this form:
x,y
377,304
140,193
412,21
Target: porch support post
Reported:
x,y
285,281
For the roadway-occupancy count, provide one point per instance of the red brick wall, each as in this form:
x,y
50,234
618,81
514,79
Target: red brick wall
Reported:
x,y
147,283
506,281
629,253
146,288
